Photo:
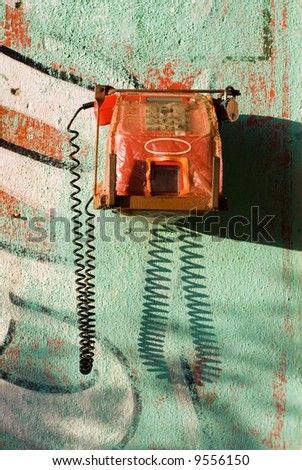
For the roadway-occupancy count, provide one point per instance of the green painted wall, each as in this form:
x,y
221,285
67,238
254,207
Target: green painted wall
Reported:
x,y
242,290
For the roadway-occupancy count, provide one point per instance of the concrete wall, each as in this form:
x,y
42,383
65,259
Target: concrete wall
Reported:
x,y
232,287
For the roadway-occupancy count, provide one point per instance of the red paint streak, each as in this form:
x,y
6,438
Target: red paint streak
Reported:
x,y
285,79
253,120
288,324
273,17
58,67
285,99
74,71
286,198
198,372
15,28
206,397
29,133
9,205
262,91
275,439
165,79
272,91
284,17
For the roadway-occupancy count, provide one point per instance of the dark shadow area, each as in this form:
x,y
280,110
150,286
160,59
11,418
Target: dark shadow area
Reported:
x,y
262,182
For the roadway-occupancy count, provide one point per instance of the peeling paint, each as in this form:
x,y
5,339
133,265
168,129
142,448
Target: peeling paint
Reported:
x,y
276,438
53,54
15,28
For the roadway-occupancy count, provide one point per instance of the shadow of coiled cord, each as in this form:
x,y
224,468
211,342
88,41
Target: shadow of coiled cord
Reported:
x,y
200,318
205,365
156,305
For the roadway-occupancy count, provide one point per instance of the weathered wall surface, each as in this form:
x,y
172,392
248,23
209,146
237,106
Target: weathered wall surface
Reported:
x,y
244,288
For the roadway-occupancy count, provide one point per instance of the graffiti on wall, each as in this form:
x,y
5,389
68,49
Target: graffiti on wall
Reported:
x,y
49,68
34,143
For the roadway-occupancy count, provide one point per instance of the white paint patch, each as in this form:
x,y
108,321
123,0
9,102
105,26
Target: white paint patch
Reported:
x,y
45,98
54,285
5,319
96,418
204,6
37,184
10,266
202,81
10,3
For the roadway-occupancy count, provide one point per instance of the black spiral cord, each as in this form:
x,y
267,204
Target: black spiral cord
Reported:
x,y
84,263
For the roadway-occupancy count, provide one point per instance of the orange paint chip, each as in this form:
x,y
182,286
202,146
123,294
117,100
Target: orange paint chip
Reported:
x,y
9,205
32,134
15,28
275,440
284,17
164,79
272,94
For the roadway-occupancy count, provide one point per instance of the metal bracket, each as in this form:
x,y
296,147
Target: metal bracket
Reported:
x,y
229,90
215,182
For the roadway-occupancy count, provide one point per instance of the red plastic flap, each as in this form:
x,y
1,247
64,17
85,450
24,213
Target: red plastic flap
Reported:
x,y
106,109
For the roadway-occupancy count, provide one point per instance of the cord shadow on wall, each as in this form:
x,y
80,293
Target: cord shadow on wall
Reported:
x,y
156,309
206,367
156,304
